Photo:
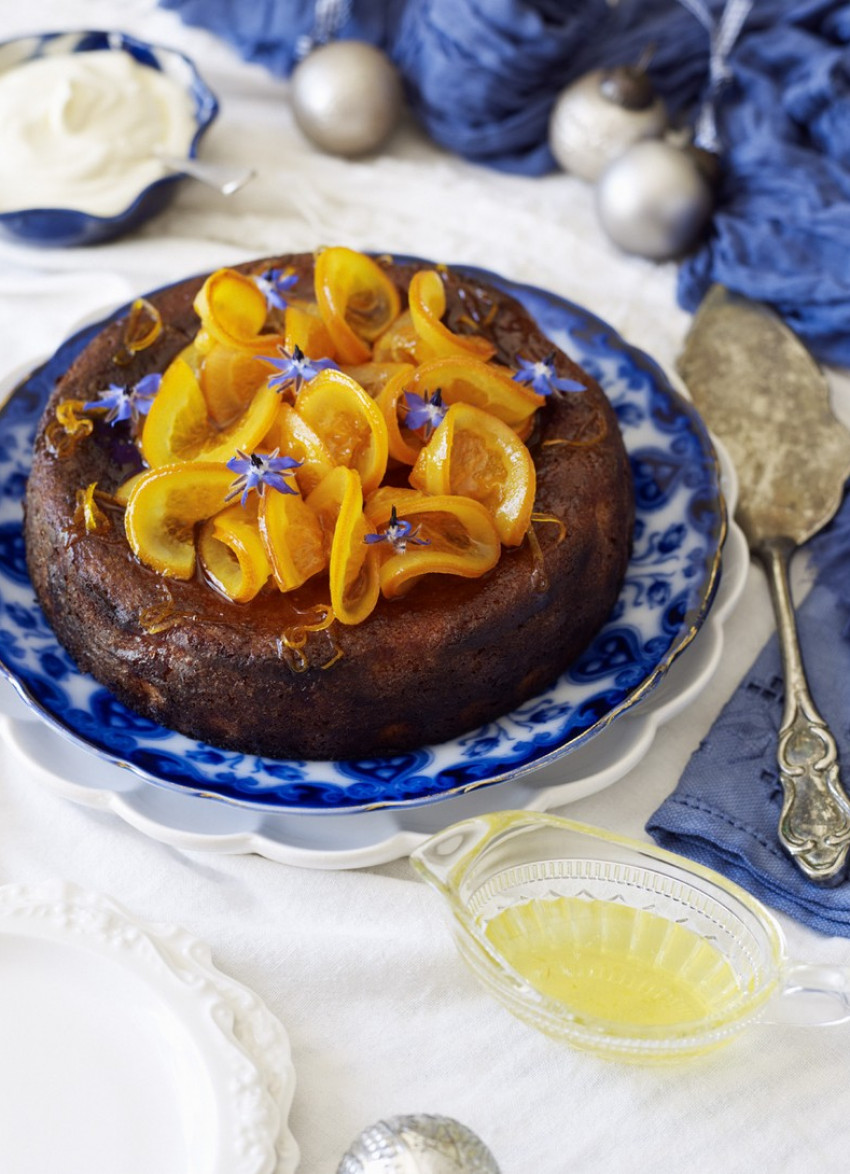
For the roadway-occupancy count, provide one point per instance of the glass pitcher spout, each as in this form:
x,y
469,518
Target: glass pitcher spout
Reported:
x,y
443,858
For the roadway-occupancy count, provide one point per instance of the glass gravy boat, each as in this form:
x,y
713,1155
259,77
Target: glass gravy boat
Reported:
x,y
617,946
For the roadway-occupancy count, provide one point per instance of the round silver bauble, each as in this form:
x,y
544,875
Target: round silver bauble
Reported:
x,y
595,119
654,200
347,97
418,1144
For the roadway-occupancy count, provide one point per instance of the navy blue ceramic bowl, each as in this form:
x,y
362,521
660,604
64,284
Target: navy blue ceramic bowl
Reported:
x,y
61,227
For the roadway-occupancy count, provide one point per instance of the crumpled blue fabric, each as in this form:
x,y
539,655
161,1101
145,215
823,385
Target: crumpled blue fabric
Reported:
x,y
725,809
273,32
482,76
781,231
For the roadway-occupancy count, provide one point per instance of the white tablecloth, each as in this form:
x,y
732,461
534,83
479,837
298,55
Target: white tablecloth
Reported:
x,y
382,1015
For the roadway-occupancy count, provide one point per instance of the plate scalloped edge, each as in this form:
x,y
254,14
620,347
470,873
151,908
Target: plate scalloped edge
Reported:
x,y
247,1037
192,823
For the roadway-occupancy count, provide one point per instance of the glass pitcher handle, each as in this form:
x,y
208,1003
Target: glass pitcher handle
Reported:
x,y
811,996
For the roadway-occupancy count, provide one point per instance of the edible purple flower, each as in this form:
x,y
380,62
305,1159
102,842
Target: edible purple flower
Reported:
x,y
296,368
424,413
276,284
126,403
258,470
398,534
541,375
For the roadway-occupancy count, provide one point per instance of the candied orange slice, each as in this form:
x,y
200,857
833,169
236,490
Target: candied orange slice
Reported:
x,y
293,539
453,536
232,309
349,422
305,329
434,340
353,573
291,434
229,378
164,508
398,344
178,426
357,301
404,445
373,377
379,504
232,553
471,381
122,494
478,456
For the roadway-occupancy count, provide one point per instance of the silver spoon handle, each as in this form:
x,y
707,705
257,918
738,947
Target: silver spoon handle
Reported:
x,y
814,826
222,177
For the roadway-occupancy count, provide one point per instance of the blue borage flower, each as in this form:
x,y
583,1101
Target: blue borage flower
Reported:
x,y
295,368
276,284
541,375
126,403
258,470
424,413
398,534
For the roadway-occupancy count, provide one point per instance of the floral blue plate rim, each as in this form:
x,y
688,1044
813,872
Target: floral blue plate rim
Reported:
x,y
670,583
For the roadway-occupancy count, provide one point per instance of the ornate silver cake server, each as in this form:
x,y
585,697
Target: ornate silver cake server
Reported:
x,y
762,394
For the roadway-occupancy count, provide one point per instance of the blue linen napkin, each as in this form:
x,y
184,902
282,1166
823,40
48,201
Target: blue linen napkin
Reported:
x,y
725,809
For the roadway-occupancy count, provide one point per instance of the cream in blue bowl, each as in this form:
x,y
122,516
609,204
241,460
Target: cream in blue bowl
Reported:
x,y
86,120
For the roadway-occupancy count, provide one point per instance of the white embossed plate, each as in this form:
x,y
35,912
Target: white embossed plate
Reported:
x,y
669,588
122,1048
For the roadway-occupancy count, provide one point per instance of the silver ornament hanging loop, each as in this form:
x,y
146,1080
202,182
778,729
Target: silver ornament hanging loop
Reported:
x,y
330,16
722,37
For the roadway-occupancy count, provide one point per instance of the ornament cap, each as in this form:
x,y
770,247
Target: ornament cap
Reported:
x,y
707,163
627,86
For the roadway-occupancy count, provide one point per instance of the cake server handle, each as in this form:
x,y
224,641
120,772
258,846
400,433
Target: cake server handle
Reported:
x,y
814,826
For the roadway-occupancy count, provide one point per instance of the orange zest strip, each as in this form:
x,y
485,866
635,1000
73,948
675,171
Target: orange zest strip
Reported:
x,y
555,521
88,513
141,330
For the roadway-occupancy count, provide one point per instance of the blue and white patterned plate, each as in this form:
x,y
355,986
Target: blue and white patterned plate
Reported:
x,y
669,587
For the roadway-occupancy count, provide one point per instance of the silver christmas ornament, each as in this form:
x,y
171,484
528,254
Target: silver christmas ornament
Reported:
x,y
347,97
655,200
596,118
418,1144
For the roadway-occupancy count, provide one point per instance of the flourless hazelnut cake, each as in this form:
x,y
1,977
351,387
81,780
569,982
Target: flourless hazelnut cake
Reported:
x,y
327,507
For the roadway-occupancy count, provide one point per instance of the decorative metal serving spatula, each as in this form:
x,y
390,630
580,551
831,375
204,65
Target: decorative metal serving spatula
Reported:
x,y
762,394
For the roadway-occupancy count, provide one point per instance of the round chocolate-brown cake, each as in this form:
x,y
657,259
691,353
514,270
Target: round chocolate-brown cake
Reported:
x,y
428,665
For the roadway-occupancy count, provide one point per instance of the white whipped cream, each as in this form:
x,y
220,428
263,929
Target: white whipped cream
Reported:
x,y
83,131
